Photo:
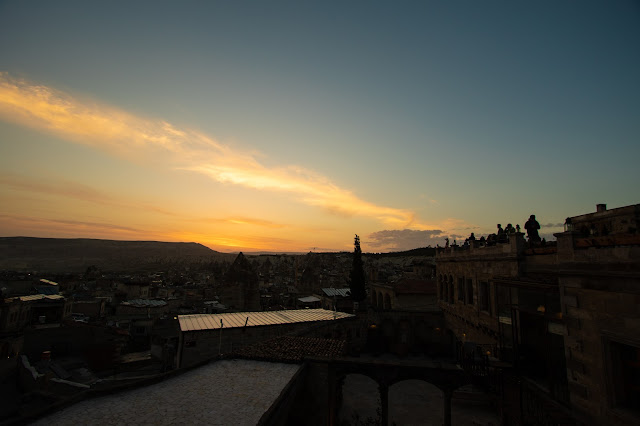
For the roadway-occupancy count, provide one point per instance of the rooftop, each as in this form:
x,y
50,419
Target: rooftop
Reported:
x,y
34,297
339,292
199,322
293,349
144,303
230,392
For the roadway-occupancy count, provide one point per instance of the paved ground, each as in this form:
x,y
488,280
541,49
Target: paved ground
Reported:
x,y
411,402
233,392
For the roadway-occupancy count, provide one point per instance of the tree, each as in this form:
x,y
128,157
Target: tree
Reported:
x,y
357,282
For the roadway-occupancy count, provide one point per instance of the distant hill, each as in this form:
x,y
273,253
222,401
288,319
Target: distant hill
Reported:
x,y
423,251
75,255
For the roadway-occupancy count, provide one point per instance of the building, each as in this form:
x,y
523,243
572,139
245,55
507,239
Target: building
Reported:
x,y
563,317
336,299
240,290
205,336
405,294
598,264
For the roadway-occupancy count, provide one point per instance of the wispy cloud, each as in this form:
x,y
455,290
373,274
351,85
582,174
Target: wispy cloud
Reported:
x,y
78,191
404,239
43,226
121,133
553,225
72,190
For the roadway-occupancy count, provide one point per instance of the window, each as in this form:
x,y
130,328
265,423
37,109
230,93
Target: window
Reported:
x,y
483,296
451,296
469,298
461,289
625,369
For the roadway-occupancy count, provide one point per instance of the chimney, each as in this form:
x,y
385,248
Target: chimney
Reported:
x,y
601,208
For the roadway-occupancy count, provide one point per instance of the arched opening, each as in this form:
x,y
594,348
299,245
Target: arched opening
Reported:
x,y
445,290
450,288
379,300
4,353
415,402
387,301
360,401
470,405
374,298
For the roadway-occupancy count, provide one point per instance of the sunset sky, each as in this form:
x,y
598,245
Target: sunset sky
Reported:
x,y
292,126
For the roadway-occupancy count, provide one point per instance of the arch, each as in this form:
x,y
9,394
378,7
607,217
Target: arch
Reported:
x,y
379,300
450,288
359,398
413,401
4,352
387,301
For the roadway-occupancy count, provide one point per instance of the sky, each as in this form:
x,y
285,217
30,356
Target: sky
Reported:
x,y
292,126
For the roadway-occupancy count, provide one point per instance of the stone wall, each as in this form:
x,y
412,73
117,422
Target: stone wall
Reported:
x,y
600,290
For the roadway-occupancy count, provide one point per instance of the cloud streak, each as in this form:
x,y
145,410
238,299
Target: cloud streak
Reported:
x,y
404,239
137,138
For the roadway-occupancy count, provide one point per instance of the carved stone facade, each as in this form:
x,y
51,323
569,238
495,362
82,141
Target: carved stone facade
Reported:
x,y
565,315
599,276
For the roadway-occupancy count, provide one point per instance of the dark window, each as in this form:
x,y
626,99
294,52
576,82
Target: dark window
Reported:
x,y
451,296
504,301
469,298
625,365
461,289
483,296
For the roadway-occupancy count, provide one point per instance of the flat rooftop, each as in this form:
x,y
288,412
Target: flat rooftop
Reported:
x,y
199,322
228,392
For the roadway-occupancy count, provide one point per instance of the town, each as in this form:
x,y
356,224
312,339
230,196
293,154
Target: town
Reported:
x,y
507,329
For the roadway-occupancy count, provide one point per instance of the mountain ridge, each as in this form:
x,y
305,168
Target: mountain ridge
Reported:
x,y
76,254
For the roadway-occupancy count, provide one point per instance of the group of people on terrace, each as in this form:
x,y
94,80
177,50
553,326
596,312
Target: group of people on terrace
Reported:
x,y
502,235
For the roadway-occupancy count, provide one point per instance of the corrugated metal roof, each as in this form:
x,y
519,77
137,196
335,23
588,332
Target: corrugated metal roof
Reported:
x,y
147,303
308,299
342,292
232,320
34,297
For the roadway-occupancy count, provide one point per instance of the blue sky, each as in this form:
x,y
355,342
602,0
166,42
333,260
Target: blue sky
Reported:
x,y
427,116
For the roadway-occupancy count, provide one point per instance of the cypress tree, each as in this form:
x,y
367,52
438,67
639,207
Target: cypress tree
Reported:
x,y
357,282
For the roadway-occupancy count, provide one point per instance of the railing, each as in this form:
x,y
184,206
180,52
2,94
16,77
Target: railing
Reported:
x,y
521,401
538,408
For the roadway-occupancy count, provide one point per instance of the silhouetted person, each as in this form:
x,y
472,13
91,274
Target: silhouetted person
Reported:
x,y
502,236
472,237
532,227
510,229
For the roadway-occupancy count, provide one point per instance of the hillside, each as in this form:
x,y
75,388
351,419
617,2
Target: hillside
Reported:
x,y
75,255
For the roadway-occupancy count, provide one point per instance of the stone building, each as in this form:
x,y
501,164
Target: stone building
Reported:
x,y
406,294
240,290
562,317
206,336
599,279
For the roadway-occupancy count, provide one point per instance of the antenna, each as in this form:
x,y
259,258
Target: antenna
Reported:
x,y
220,344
